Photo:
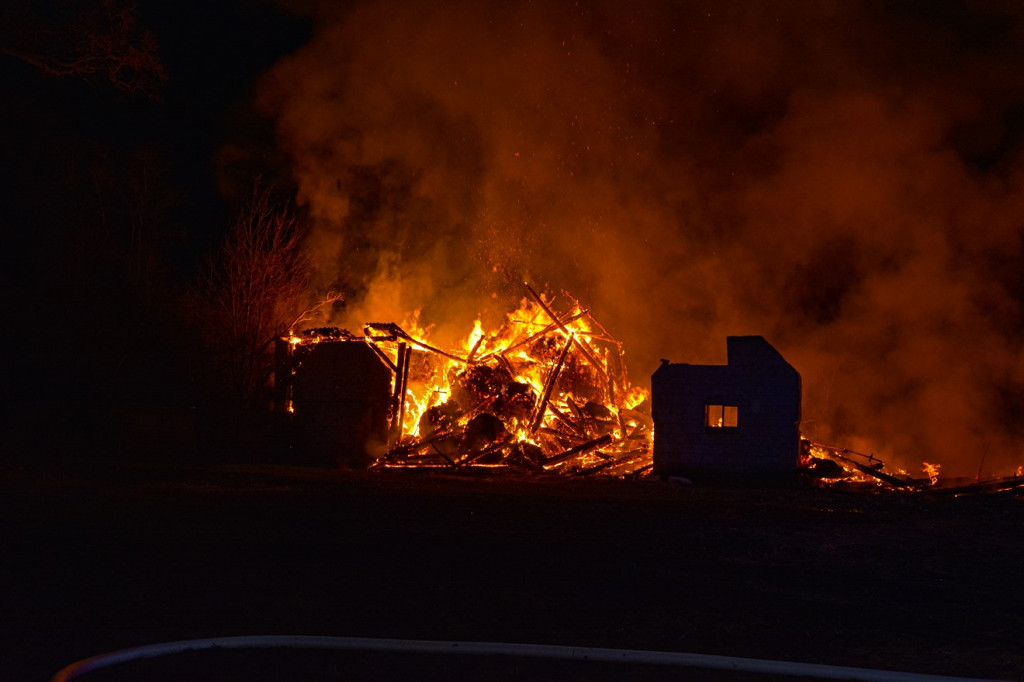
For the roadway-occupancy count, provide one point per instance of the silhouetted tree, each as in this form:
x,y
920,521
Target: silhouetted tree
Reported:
x,y
250,293
84,38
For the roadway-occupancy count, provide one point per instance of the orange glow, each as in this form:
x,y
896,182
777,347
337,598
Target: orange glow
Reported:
x,y
545,391
932,471
857,467
850,473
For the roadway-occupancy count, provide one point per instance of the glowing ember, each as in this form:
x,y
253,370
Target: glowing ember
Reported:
x,y
931,471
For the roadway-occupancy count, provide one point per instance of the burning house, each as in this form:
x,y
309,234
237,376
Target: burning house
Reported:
x,y
730,420
545,392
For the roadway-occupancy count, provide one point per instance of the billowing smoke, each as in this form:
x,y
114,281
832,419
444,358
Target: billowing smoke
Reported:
x,y
844,179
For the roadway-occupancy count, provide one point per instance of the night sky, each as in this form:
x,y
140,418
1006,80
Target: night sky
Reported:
x,y
843,178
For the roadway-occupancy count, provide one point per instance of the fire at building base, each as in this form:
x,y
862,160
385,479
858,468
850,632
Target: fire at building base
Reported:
x,y
548,392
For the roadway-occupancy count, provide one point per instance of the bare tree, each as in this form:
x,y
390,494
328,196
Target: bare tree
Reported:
x,y
84,38
252,292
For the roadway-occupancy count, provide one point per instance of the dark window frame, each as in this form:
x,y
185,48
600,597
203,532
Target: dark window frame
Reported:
x,y
720,417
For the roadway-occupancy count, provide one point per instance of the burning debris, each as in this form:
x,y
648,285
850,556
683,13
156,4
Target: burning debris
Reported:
x,y
836,467
832,465
548,391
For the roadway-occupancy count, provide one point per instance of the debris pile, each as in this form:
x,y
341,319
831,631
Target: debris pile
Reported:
x,y
548,391
841,467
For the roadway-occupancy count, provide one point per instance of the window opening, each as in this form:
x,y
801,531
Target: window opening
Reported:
x,y
721,416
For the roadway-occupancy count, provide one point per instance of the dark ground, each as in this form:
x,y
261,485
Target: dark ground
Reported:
x,y
100,556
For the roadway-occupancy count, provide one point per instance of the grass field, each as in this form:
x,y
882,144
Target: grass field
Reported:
x,y
98,556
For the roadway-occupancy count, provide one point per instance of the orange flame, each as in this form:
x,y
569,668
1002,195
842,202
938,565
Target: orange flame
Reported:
x,y
545,391
555,383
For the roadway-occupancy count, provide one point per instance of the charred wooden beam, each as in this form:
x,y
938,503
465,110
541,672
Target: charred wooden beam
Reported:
x,y
642,470
591,356
383,356
588,353
611,393
573,452
506,363
566,420
392,332
643,421
382,331
871,460
403,349
398,394
549,385
575,409
433,349
430,458
622,459
565,319
870,471
611,340
406,357
405,449
446,458
572,437
489,450
477,409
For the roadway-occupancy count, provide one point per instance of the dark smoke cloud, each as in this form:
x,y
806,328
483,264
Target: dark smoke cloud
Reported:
x,y
843,178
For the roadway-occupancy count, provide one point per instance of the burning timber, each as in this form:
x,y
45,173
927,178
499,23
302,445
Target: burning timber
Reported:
x,y
548,391
841,467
